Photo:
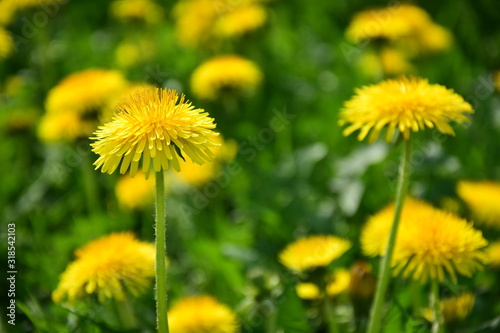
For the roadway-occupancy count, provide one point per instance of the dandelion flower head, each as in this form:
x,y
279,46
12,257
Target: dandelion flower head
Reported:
x,y
225,73
391,23
203,22
375,233
85,91
107,268
199,314
430,243
483,199
157,127
313,251
404,104
194,21
243,18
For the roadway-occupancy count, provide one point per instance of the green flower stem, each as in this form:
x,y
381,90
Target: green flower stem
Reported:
x,y
126,313
385,268
438,323
161,273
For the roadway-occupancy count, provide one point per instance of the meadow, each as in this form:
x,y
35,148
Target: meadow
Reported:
x,y
291,88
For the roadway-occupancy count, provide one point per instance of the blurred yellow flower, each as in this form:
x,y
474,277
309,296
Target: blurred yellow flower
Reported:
x,y
434,38
194,21
63,126
493,251
135,193
241,19
157,127
483,199
196,175
200,314
375,233
230,73
313,251
85,91
393,22
200,22
404,104
453,309
430,243
395,62
107,268
6,43
403,25
141,10
338,283
8,10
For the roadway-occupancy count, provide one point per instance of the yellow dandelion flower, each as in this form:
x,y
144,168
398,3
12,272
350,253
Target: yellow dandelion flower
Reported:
x,y
8,10
391,23
109,109
434,38
6,43
338,282
225,73
157,127
84,91
394,62
107,268
313,251
493,251
375,233
199,314
145,10
430,243
134,193
308,290
63,126
453,309
483,199
194,21
242,19
404,104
